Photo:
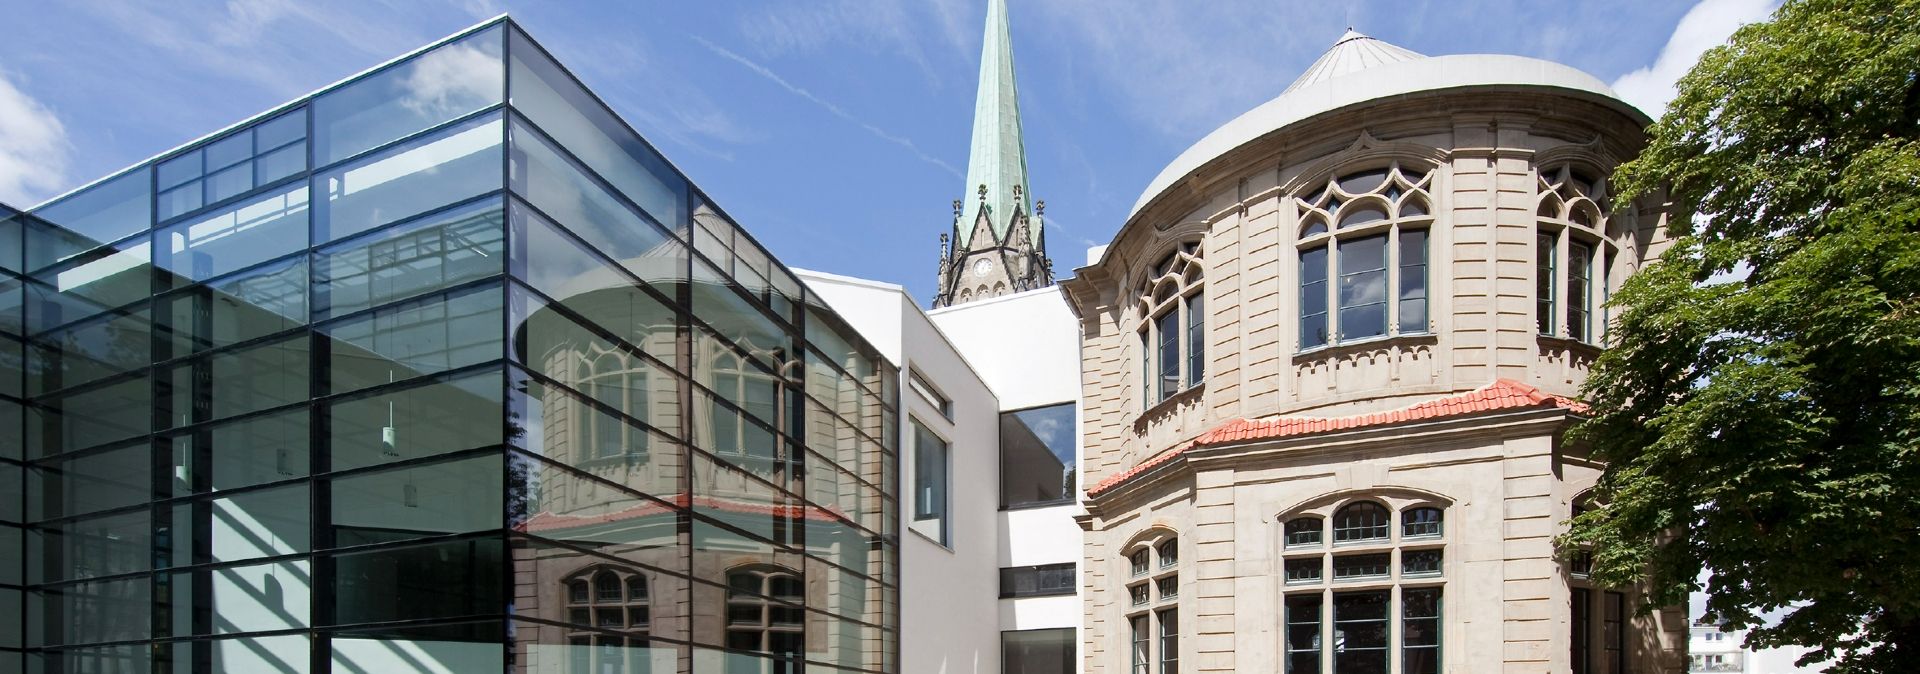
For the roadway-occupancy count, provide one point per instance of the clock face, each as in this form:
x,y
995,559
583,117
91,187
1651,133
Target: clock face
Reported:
x,y
982,266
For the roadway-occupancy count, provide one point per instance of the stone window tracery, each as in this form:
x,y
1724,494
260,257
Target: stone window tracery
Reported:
x,y
1373,597
764,614
1571,254
611,611
1172,303
1153,603
1363,255
618,381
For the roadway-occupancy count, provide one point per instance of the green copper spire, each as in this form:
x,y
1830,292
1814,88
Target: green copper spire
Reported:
x,y
998,159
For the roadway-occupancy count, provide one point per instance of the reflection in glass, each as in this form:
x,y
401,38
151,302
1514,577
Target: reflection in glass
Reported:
x,y
416,421
559,188
438,251
440,85
238,237
254,303
418,500
448,579
1036,456
413,177
108,211
403,341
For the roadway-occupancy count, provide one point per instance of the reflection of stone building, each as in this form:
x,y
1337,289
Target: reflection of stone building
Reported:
x,y
1327,364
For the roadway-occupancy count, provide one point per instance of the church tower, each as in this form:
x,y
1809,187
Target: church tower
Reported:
x,y
997,245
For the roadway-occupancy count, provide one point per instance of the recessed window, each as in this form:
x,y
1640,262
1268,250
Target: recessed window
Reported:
x,y
930,466
1138,562
1366,276
925,390
1169,587
1169,553
1305,570
1303,532
1046,651
1353,567
1139,594
1420,563
1570,251
1173,334
1037,581
1037,465
1420,522
1361,521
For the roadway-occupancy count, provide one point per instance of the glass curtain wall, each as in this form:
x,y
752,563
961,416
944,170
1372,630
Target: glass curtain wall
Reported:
x,y
441,369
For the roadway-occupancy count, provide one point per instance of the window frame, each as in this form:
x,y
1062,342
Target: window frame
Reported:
x,y
1172,324
1404,204
1571,213
944,512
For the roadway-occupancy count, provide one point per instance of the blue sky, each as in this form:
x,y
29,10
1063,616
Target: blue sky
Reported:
x,y
835,130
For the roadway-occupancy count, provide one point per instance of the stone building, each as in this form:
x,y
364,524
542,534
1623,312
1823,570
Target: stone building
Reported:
x,y
1328,362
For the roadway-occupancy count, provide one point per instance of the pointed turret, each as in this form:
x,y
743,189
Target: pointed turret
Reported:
x,y
999,245
1353,52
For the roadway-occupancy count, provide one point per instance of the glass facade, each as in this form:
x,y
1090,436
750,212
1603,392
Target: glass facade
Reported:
x,y
441,369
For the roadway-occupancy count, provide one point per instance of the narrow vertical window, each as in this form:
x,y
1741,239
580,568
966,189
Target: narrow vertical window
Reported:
x,y
1360,626
1579,286
1363,288
1142,644
1146,370
1303,634
1167,328
930,465
1196,339
1413,281
1420,631
1169,642
1313,298
1582,630
1543,282
1614,634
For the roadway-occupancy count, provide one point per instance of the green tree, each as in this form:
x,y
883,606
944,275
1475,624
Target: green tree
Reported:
x,y
1767,428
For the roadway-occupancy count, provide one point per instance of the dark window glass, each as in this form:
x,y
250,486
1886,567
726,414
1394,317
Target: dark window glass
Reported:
x,y
254,303
1360,618
1142,655
1582,637
88,284
930,466
88,548
1413,281
1169,641
1363,182
1363,287
1313,298
404,341
254,378
419,500
1420,522
108,610
1138,561
1140,594
1360,521
1167,329
91,483
416,421
89,418
1146,368
1420,631
1037,456
1049,651
1038,581
1304,531
111,344
1169,552
1543,273
1196,339
1420,562
438,580
1303,633
1579,289
1348,567
1304,570
416,176
1613,633
426,90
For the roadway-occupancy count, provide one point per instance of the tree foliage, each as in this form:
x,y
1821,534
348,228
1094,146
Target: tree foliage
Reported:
x,y
1768,427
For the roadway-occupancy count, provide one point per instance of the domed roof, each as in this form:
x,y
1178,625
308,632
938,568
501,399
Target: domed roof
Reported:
x,y
1352,53
1360,69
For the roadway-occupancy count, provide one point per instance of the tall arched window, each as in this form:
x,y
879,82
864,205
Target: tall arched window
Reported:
x,y
1363,255
1153,612
1571,254
1385,567
602,600
617,380
756,394
1173,326
764,614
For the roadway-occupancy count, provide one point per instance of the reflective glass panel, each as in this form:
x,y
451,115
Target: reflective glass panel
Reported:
x,y
1036,456
403,341
440,85
108,211
416,176
438,251
418,500
246,234
416,421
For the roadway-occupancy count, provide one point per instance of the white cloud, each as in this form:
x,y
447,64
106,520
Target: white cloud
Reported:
x,y
895,27
33,147
1704,27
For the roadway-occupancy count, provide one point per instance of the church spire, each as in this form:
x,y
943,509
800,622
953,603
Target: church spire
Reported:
x,y
998,243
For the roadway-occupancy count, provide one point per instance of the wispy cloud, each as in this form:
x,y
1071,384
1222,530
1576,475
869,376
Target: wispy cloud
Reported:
x,y
893,27
34,150
827,105
1704,27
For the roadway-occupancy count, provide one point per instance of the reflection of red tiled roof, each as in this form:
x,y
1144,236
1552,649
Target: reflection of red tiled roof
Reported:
x,y
1502,394
547,521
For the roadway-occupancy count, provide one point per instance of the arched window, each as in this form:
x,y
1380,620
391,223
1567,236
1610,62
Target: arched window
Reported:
x,y
1153,613
753,393
1360,521
1571,254
1173,330
1362,247
602,600
764,613
1377,595
618,381
1598,638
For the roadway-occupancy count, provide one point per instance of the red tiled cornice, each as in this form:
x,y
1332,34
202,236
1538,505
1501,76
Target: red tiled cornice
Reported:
x,y
1501,394
546,520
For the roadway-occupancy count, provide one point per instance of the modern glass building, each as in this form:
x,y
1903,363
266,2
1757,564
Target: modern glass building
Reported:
x,y
440,369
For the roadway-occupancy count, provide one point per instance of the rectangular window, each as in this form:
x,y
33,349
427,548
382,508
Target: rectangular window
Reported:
x,y
1147,398
1545,258
1045,580
1413,281
1037,464
1579,289
1313,298
1142,646
1420,631
1420,563
1360,621
1353,567
1167,328
235,238
1613,633
1050,651
1139,594
414,177
1303,633
1168,587
431,253
1582,630
930,465
424,91
1196,339
1138,562
1304,570
1363,288
251,157
921,387
1169,642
